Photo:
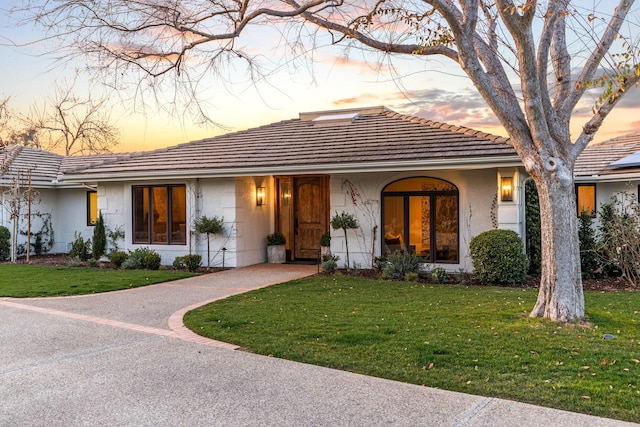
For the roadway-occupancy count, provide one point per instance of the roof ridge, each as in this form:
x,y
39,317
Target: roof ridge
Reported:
x,y
446,126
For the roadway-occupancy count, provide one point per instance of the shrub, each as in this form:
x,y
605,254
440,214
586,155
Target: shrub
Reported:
x,y
498,257
440,275
5,243
411,277
379,263
74,262
80,248
117,258
99,238
399,263
589,259
533,231
139,258
152,261
344,221
191,262
325,239
275,239
209,226
329,263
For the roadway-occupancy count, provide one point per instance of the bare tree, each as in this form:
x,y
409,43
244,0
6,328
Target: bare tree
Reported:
x,y
532,62
72,124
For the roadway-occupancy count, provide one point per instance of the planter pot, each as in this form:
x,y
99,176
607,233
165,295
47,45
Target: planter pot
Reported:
x,y
276,254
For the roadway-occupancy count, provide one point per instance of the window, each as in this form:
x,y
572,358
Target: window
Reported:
x,y
92,207
160,214
421,215
586,198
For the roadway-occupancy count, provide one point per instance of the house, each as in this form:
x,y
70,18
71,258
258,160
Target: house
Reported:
x,y
410,182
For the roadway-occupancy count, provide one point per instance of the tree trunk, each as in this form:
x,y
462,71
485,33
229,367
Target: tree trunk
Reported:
x,y
560,297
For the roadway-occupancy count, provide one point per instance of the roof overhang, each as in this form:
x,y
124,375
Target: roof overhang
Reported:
x,y
364,167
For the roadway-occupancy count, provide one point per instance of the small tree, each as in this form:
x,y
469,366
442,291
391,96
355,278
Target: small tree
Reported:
x,y
589,261
5,243
209,226
344,221
99,238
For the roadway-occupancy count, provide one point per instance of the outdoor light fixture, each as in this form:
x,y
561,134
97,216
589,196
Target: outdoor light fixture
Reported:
x,y
260,196
506,189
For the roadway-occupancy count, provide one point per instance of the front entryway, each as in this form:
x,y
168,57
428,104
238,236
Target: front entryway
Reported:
x,y
303,213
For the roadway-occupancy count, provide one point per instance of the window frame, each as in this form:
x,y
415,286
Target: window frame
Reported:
x,y
148,191
433,197
91,193
595,198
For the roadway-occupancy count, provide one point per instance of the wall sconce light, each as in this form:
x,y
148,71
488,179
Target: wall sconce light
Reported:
x,y
506,189
260,196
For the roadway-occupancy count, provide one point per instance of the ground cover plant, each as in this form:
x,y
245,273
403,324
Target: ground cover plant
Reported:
x,y
25,281
472,339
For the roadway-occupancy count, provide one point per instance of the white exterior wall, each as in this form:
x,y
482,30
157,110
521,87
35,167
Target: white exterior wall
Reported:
x,y
477,189
253,223
606,190
511,214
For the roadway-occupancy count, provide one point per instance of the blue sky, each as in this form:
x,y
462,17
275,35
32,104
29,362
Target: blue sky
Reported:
x,y
436,90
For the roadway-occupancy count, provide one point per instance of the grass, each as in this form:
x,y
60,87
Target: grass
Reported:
x,y
24,281
475,340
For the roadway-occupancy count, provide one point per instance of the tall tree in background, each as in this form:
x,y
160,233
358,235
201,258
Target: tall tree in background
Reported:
x,y
532,62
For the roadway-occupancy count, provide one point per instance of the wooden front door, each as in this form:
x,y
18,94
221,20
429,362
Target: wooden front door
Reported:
x,y
310,214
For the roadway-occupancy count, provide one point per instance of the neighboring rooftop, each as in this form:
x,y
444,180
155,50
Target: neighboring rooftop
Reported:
x,y
603,159
325,141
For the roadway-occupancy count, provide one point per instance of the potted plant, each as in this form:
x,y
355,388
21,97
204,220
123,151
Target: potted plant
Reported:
x,y
276,252
325,243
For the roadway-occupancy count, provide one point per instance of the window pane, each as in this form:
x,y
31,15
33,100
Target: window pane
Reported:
x,y
159,223
178,215
420,225
393,224
586,198
420,184
446,228
92,207
140,215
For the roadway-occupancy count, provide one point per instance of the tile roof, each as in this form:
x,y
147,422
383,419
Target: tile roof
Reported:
x,y
317,142
45,167
595,159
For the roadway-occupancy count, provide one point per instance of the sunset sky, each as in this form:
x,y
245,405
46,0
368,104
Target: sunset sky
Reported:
x,y
435,89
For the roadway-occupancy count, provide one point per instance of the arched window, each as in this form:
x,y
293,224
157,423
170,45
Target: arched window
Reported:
x,y
421,215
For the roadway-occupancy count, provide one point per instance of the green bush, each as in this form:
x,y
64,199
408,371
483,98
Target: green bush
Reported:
x,y
99,238
142,258
5,243
589,259
191,262
399,263
275,239
440,275
329,263
117,258
80,248
325,239
498,257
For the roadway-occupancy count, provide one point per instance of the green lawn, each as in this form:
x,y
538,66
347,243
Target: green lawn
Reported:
x,y
23,281
476,340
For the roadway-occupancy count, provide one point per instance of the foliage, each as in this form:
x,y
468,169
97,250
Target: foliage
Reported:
x,y
621,244
344,221
190,261
606,248
276,239
532,224
329,263
99,238
28,281
42,240
5,243
117,258
498,257
399,263
209,226
74,262
379,262
589,259
440,275
142,258
470,339
80,248
115,236
205,225
325,239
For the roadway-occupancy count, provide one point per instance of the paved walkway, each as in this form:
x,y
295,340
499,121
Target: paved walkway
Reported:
x,y
125,359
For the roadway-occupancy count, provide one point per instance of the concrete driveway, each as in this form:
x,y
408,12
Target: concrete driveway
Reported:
x,y
124,359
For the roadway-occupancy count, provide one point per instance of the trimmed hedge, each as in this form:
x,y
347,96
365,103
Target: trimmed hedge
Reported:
x,y
498,257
